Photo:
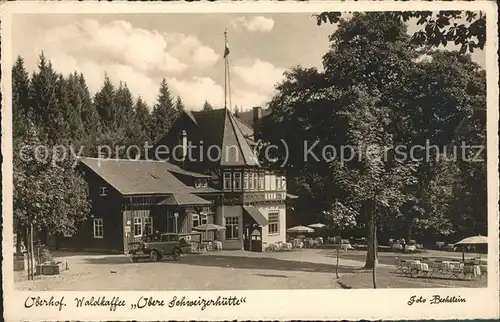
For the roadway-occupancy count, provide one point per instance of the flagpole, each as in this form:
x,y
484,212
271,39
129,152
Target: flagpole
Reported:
x,y
225,69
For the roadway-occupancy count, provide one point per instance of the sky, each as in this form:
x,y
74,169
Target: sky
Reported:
x,y
185,49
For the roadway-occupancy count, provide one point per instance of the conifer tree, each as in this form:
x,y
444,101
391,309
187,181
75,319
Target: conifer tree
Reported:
x,y
207,106
104,102
164,112
124,106
89,115
44,99
20,97
143,118
179,105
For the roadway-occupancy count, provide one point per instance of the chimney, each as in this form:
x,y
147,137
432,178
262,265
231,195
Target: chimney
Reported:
x,y
183,144
257,114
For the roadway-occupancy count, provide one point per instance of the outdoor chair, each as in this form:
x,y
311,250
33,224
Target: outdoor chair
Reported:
x,y
403,266
471,270
218,245
203,248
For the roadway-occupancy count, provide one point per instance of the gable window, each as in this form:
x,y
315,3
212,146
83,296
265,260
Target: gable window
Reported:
x,y
232,227
103,191
137,226
98,228
261,181
274,223
237,181
227,181
148,225
196,220
245,181
250,181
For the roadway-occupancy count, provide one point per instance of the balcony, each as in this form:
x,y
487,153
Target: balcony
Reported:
x,y
251,197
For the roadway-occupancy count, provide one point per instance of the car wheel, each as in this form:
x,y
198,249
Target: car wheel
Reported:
x,y
177,254
154,256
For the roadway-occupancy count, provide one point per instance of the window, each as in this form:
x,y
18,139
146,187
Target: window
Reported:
x,y
232,227
261,181
103,191
201,183
274,223
245,181
196,220
204,219
237,181
283,183
227,181
172,226
255,177
278,183
137,226
250,181
98,228
148,225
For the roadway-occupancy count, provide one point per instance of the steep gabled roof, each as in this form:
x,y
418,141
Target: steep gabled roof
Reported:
x,y
135,177
222,129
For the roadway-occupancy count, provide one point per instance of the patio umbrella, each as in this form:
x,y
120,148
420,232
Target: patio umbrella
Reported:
x,y
474,240
318,225
300,229
208,227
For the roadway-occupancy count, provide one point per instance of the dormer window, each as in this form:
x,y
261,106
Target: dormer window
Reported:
x,y
201,183
227,181
103,191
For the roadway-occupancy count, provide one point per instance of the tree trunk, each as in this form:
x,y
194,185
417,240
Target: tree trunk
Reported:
x,y
18,241
371,255
28,248
338,255
410,226
374,245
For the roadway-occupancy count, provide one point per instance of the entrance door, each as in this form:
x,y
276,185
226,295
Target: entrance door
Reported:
x,y
256,240
246,237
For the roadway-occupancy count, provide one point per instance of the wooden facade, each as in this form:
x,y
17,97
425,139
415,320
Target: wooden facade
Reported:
x,y
118,219
237,174
246,199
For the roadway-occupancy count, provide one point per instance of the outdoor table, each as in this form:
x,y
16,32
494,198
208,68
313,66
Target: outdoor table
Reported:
x,y
451,265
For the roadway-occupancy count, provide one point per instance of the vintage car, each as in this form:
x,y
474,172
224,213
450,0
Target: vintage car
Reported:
x,y
157,246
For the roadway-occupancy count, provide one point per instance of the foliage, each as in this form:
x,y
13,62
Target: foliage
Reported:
x,y
400,95
57,114
342,216
207,106
164,112
466,29
48,194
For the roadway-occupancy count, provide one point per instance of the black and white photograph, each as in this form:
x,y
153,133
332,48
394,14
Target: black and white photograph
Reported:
x,y
248,152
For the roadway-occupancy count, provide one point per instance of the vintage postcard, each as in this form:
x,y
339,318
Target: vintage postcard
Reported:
x,y
250,160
